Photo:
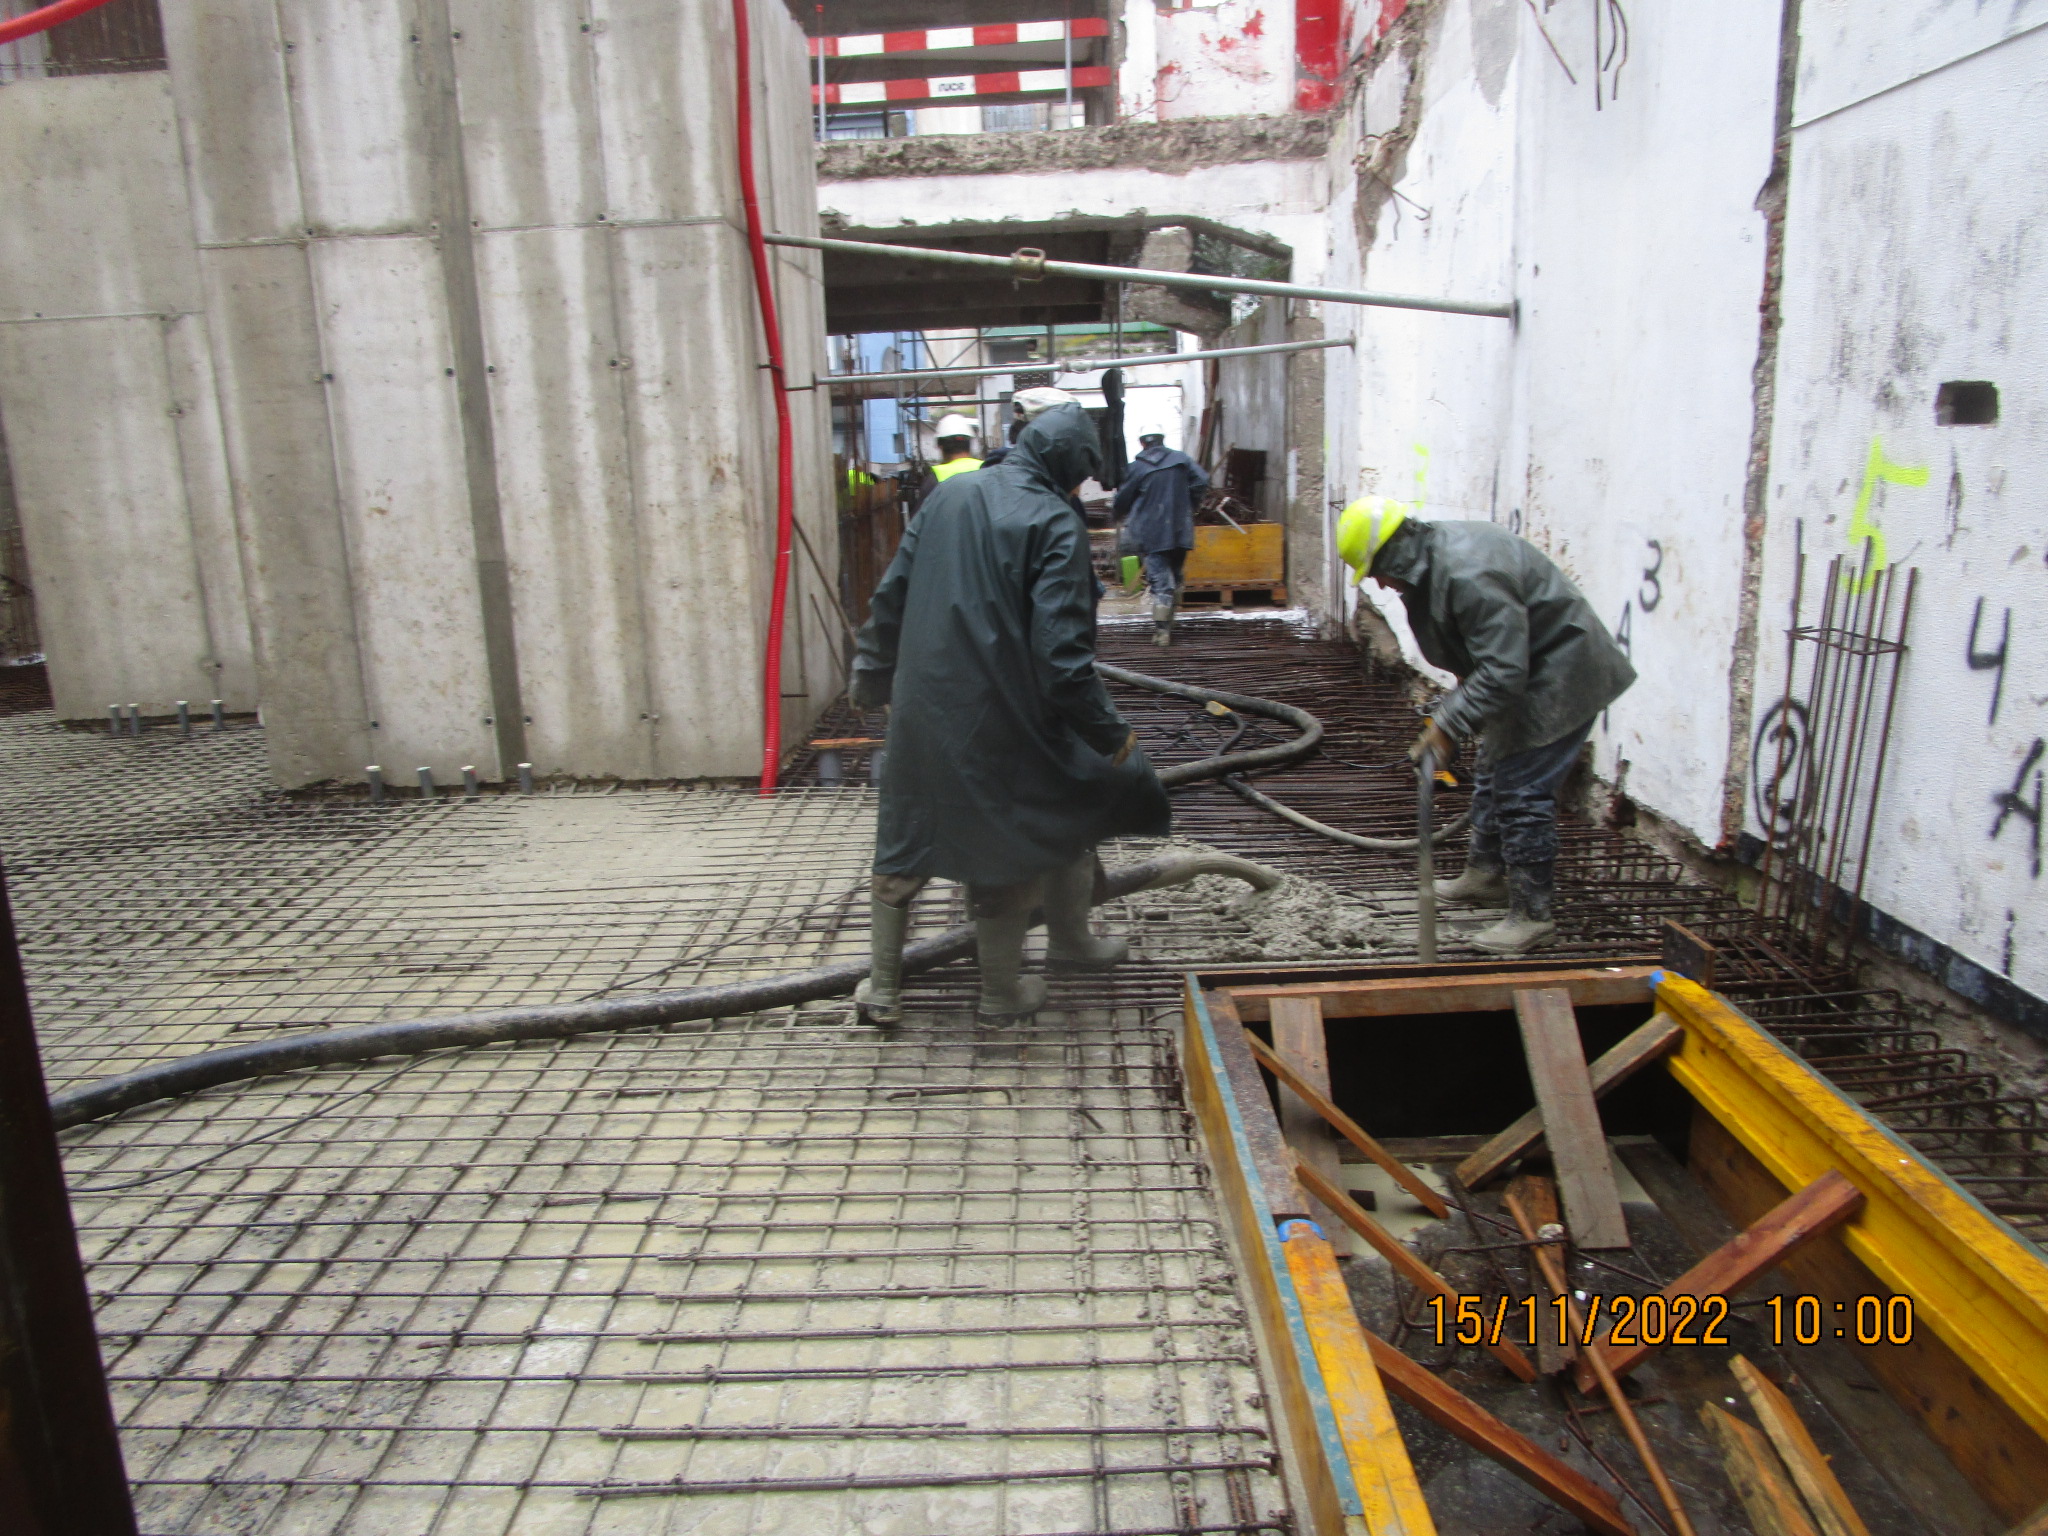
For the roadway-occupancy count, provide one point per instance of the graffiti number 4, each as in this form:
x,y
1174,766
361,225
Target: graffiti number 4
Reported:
x,y
1989,661
2012,802
1861,529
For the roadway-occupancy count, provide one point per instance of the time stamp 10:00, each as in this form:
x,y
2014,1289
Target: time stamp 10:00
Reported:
x,y
1653,1321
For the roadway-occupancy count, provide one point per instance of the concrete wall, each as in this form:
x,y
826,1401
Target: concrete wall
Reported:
x,y
1215,58
1914,256
107,393
488,354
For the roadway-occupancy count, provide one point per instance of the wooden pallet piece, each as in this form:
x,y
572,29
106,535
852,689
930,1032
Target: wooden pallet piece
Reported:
x,y
1348,1128
1787,1432
1796,1221
1773,1503
1571,1118
1403,1258
1449,1409
1615,1067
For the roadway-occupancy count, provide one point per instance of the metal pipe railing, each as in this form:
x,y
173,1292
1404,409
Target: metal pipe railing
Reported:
x,y
1031,266
1077,365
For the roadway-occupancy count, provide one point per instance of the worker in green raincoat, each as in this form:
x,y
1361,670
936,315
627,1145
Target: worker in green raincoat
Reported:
x,y
1006,761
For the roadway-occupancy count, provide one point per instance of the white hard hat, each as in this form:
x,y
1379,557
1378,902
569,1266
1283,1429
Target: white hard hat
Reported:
x,y
955,426
1034,402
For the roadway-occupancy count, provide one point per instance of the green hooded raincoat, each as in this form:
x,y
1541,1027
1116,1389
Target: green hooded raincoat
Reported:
x,y
982,637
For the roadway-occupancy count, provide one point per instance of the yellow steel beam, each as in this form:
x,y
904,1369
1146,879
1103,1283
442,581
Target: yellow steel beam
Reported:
x,y
1981,1289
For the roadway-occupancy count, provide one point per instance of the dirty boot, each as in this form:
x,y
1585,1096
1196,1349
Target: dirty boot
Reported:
x,y
1477,885
1162,622
1073,945
1007,995
1529,925
880,997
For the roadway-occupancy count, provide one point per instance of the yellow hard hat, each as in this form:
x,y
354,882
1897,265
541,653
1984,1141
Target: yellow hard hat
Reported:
x,y
1363,529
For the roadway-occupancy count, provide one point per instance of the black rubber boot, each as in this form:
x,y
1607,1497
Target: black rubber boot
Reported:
x,y
1006,993
1531,923
1072,944
880,997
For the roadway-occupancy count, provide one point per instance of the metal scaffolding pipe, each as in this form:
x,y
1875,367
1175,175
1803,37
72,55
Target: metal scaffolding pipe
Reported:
x,y
1080,365
1032,267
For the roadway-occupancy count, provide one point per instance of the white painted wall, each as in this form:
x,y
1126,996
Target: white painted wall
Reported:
x,y
107,391
1915,255
1617,410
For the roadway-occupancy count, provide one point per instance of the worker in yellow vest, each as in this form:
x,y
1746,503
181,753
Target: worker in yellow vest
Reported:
x,y
956,455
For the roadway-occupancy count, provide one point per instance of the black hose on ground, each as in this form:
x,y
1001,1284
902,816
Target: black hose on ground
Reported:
x,y
1231,764
555,1021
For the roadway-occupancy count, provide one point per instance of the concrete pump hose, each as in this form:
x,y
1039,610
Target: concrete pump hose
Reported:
x,y
555,1021
1228,766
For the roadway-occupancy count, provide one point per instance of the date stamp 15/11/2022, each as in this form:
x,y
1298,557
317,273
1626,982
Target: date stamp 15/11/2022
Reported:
x,y
1625,1321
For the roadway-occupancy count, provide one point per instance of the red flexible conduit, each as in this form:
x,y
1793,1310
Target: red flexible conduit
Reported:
x,y
785,500
48,17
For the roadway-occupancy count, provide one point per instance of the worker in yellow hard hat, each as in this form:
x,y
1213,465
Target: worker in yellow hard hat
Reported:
x,y
1535,667
956,455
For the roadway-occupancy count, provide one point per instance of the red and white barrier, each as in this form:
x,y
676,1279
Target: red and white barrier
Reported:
x,y
961,87
958,37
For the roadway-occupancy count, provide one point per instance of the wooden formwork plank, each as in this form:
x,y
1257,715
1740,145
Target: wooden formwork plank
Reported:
x,y
1448,1408
1773,1503
1489,992
1614,1068
1349,1129
1822,1206
1298,1042
1571,1118
1788,1433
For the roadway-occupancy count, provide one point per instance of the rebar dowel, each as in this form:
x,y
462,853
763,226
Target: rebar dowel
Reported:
x,y
185,719
1425,859
113,719
426,783
469,789
134,719
375,775
526,778
220,714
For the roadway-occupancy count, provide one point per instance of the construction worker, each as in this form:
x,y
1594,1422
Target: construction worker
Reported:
x,y
956,455
1006,761
1535,667
1157,503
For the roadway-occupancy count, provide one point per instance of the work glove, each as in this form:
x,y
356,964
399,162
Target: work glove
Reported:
x,y
871,688
1435,742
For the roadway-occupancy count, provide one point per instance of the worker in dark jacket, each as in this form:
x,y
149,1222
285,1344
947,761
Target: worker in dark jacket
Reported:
x,y
1535,666
1006,762
1157,503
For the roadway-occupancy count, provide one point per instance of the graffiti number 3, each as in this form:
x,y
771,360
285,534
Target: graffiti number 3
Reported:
x,y
1861,529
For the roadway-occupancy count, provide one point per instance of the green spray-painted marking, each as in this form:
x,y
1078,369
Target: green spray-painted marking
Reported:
x,y
1861,529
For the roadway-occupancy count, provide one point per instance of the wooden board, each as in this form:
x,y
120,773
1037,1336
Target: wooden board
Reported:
x,y
1571,1118
1538,1198
1980,1295
1614,1068
1406,1263
1790,1438
1448,1408
1298,1042
1225,556
1787,1227
1271,1160
1773,1504
1368,1148
1490,992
